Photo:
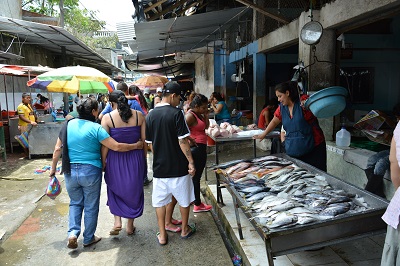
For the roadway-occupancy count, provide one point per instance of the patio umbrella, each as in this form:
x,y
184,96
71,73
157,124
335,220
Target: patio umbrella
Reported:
x,y
73,79
152,81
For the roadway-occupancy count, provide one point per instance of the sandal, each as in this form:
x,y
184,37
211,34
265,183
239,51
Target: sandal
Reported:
x,y
158,239
176,222
173,229
115,231
94,241
192,231
131,233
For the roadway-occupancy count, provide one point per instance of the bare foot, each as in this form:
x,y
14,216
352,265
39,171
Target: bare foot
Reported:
x,y
130,228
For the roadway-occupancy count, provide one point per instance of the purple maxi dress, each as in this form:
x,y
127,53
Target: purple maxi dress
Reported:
x,y
124,175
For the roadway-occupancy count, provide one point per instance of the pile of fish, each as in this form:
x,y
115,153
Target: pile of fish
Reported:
x,y
280,194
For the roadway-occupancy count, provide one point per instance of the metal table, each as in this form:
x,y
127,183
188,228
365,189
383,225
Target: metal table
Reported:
x,y
248,135
43,138
345,227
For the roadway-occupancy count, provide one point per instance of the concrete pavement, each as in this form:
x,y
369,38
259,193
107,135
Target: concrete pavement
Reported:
x,y
41,238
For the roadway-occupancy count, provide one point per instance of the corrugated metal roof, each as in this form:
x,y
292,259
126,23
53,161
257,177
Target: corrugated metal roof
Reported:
x,y
53,38
162,37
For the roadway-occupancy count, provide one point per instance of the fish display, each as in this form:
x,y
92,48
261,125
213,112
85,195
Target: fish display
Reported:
x,y
280,194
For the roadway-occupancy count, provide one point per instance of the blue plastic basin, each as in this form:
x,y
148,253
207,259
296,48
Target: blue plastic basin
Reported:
x,y
327,102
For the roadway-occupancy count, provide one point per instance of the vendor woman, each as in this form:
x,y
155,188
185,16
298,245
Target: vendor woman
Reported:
x,y
220,108
304,138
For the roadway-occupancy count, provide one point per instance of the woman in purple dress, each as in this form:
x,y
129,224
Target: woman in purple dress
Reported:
x,y
124,170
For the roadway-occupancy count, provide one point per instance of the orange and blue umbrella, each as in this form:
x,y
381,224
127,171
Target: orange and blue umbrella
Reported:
x,y
73,79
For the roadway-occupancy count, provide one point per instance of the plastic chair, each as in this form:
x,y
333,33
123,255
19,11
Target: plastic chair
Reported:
x,y
236,119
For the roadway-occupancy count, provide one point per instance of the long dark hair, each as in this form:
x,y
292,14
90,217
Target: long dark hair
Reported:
x,y
291,87
133,89
198,100
85,109
217,96
123,107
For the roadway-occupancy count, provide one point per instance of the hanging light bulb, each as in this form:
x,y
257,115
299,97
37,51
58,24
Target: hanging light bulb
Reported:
x,y
169,39
238,39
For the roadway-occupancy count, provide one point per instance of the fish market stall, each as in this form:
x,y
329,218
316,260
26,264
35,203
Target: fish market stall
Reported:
x,y
245,135
294,206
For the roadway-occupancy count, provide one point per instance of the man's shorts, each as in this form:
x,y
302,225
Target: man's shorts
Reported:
x,y
179,187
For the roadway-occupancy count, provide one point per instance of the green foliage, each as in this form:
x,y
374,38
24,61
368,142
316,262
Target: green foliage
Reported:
x,y
80,22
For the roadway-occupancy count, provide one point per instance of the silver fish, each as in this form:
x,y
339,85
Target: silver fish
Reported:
x,y
282,220
333,211
258,196
287,206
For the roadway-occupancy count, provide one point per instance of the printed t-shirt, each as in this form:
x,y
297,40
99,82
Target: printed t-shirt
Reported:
x,y
27,112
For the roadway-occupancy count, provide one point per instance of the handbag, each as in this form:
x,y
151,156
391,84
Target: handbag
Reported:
x,y
53,188
23,138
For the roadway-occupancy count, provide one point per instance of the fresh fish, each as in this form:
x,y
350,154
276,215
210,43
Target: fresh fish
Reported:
x,y
318,196
337,199
264,171
319,203
282,220
306,219
228,164
287,206
237,175
245,178
237,168
264,158
280,172
265,189
252,189
300,211
333,211
258,196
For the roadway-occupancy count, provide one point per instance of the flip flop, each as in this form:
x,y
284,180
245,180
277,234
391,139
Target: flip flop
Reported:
x,y
192,231
94,241
115,231
133,231
173,230
158,240
176,222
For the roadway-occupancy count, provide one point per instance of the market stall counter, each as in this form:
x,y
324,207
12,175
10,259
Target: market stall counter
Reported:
x,y
294,206
240,136
43,138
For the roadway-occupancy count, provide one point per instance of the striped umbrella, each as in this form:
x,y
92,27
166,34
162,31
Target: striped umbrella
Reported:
x,y
73,79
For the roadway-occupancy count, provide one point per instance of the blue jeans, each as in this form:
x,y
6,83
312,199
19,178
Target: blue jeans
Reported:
x,y
83,186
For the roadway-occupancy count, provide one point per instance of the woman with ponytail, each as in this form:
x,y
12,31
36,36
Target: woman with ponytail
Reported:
x,y
124,171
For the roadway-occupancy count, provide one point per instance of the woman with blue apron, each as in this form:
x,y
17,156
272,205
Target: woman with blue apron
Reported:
x,y
304,138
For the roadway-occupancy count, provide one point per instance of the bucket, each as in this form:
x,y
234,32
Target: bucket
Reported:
x,y
327,102
210,141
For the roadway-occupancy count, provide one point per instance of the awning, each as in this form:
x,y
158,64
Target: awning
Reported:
x,y
18,70
167,36
53,38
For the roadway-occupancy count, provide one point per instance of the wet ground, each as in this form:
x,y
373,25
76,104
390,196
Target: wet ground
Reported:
x,y
35,228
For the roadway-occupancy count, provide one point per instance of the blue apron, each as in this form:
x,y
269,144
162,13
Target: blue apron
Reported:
x,y
299,136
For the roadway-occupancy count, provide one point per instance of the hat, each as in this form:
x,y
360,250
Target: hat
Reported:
x,y
146,91
173,87
159,89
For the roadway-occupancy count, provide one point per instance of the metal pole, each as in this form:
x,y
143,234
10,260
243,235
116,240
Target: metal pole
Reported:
x,y
13,90
5,91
